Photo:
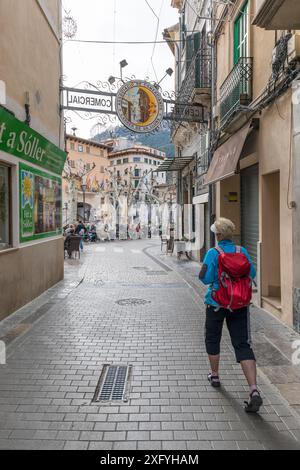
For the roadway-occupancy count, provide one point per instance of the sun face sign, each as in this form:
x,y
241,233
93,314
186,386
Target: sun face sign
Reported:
x,y
139,106
27,187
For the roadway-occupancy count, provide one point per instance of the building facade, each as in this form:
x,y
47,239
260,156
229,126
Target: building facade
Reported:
x,y
193,86
85,170
135,183
31,155
253,144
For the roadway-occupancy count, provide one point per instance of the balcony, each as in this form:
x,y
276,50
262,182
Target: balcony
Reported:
x,y
278,14
194,90
236,91
196,86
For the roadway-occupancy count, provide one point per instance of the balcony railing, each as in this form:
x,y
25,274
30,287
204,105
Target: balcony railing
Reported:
x,y
236,91
198,75
202,163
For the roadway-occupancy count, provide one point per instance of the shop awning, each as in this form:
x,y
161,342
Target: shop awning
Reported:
x,y
175,164
226,157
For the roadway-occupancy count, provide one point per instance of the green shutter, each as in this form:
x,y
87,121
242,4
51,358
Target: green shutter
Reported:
x,y
240,31
189,50
236,51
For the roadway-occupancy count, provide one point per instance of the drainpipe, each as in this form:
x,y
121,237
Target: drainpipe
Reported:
x,y
211,209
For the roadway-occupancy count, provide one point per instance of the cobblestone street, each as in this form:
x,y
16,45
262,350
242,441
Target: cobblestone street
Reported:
x,y
58,345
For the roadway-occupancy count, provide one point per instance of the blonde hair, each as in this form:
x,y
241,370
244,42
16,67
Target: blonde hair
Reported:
x,y
225,228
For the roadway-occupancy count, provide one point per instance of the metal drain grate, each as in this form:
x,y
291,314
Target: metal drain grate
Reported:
x,y
132,301
112,385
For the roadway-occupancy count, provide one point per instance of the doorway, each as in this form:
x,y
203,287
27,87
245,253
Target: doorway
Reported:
x,y
271,275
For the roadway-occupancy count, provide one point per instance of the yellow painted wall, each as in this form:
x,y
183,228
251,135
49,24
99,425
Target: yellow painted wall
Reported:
x,y
274,151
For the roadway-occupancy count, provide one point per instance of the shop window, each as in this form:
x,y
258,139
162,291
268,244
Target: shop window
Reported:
x,y
136,159
40,204
80,148
125,160
4,207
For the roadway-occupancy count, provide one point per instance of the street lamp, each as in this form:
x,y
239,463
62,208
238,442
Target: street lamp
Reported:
x,y
83,188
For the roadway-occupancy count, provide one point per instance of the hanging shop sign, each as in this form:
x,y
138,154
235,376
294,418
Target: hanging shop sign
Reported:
x,y
88,100
139,106
18,139
40,204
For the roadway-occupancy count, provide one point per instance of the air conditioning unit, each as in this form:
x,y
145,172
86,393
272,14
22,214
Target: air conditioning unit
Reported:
x,y
294,48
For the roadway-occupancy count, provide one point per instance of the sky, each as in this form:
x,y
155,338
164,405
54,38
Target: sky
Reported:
x,y
116,20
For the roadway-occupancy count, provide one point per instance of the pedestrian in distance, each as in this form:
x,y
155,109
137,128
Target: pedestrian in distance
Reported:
x,y
138,230
229,272
81,230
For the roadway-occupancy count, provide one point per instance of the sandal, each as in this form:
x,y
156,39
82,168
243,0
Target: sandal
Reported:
x,y
255,402
214,380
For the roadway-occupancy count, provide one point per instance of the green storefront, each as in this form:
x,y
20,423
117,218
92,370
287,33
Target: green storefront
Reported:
x,y
39,182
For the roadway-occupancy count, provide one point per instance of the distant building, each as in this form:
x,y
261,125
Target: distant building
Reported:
x,y
86,165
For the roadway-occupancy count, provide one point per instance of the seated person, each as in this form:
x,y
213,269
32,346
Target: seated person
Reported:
x,y
67,245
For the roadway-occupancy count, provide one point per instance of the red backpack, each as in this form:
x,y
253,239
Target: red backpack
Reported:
x,y
235,283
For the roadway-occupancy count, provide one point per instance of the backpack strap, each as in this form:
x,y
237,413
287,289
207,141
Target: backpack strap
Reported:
x,y
219,250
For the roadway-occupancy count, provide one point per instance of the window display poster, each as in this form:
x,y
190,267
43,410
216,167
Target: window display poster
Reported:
x,y
40,204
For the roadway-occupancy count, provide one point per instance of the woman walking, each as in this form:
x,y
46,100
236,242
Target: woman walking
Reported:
x,y
229,271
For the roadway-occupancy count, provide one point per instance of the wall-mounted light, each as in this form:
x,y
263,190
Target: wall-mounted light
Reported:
x,y
123,64
169,72
27,108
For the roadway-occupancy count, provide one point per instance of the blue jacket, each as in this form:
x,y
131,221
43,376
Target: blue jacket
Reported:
x,y
209,275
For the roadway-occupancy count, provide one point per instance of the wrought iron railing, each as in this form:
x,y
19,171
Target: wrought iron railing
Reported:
x,y
198,75
202,163
236,91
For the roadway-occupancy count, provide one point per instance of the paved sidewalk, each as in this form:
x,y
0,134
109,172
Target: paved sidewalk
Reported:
x,y
54,364
271,338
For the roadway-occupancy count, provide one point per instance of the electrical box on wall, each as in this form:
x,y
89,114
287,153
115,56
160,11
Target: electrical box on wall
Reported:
x,y
294,48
